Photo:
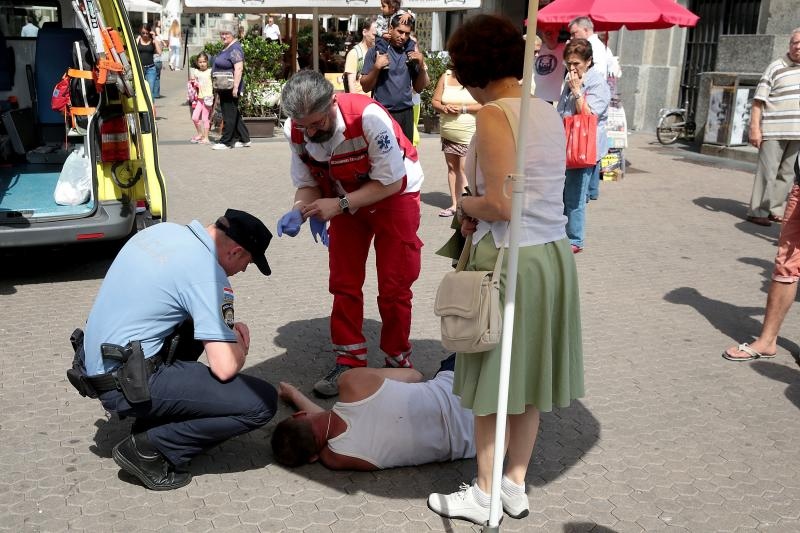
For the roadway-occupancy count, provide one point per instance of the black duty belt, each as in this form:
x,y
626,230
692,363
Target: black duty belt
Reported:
x,y
108,381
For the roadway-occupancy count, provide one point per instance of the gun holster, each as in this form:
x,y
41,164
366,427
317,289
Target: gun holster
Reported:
x,y
77,374
132,375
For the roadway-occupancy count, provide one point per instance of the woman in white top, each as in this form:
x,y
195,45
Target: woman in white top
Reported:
x,y
546,354
175,45
457,108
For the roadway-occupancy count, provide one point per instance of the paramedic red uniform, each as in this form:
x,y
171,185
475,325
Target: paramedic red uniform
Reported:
x,y
367,145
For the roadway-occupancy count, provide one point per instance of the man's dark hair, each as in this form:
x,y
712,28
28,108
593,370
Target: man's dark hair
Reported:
x,y
578,47
486,48
293,442
396,19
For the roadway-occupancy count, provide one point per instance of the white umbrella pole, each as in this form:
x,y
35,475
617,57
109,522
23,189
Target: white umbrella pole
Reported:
x,y
518,190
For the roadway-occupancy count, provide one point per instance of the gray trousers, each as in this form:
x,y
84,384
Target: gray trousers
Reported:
x,y
774,177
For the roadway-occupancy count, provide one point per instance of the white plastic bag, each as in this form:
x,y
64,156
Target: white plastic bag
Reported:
x,y
75,181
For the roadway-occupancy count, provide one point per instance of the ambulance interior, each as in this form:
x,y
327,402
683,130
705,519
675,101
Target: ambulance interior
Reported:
x,y
98,145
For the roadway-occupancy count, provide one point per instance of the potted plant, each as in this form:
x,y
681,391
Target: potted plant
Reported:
x,y
437,63
263,68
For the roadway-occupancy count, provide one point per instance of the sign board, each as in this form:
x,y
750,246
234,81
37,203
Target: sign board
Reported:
x,y
323,7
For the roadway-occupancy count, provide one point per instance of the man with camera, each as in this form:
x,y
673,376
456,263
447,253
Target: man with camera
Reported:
x,y
165,299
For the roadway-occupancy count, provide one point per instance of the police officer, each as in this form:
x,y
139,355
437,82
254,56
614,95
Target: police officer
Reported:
x,y
165,299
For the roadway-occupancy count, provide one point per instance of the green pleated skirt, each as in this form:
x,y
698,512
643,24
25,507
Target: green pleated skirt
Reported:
x,y
547,353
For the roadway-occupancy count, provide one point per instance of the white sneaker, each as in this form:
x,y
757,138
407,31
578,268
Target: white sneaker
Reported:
x,y
461,504
220,146
239,144
515,506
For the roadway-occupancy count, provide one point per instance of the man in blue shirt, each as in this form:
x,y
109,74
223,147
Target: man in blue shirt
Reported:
x,y
392,75
172,279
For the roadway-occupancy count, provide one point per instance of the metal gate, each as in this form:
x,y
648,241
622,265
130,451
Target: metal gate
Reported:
x,y
717,17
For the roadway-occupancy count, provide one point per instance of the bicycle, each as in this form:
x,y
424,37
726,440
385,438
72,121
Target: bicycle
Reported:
x,y
674,123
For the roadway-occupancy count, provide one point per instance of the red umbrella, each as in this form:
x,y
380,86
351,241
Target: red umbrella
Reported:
x,y
610,15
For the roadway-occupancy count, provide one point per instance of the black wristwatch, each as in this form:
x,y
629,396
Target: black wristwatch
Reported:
x,y
344,204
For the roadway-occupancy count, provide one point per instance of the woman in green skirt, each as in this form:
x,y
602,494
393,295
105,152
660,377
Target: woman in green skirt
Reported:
x,y
547,359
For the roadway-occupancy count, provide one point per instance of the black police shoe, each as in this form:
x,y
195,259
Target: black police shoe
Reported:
x,y
151,468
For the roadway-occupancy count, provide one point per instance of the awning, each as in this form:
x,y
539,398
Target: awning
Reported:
x,y
323,7
142,6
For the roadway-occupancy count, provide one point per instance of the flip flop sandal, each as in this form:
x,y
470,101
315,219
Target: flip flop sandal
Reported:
x,y
752,354
447,212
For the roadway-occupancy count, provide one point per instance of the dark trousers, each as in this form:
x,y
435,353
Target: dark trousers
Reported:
x,y
190,410
405,117
233,128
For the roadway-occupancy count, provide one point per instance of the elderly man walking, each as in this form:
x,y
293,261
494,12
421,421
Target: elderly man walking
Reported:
x,y
352,166
775,131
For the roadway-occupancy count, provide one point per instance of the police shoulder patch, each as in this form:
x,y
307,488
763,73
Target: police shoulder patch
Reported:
x,y
227,314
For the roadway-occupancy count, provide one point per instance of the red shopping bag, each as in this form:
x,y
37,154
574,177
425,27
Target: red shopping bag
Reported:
x,y
581,130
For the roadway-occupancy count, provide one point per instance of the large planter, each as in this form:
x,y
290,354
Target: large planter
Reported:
x,y
261,127
430,124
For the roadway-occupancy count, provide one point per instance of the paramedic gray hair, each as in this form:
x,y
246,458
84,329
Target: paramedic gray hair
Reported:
x,y
306,93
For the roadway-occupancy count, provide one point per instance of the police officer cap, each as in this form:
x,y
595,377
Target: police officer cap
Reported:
x,y
249,233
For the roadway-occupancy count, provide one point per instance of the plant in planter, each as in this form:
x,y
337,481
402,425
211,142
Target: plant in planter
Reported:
x,y
437,63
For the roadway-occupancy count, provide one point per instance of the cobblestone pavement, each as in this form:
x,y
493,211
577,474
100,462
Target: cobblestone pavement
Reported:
x,y
670,437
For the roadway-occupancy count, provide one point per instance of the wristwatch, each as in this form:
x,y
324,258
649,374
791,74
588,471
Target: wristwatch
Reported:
x,y
344,204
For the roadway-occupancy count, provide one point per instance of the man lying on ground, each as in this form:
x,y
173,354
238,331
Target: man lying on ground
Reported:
x,y
385,417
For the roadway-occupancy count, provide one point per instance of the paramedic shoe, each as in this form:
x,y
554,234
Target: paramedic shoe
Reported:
x,y
461,504
150,467
328,386
220,146
239,144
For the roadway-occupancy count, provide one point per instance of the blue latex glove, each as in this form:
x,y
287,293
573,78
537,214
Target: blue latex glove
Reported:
x,y
319,229
290,223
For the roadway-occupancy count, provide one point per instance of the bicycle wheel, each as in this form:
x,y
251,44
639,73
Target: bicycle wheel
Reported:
x,y
670,128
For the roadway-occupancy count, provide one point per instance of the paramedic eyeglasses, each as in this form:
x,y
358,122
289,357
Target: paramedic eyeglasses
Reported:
x,y
316,125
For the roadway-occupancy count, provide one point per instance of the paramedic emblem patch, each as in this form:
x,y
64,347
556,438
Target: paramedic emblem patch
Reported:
x,y
227,314
384,141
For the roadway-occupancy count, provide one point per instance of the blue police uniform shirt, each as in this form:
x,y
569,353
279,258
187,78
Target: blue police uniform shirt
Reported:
x,y
393,86
162,276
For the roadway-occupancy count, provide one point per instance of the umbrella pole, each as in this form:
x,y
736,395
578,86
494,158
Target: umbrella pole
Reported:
x,y
518,190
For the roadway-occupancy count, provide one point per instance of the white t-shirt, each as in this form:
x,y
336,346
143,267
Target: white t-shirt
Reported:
x,y
599,55
272,31
387,163
29,30
549,72
406,424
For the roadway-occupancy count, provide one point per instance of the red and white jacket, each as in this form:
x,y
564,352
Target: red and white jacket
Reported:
x,y
367,144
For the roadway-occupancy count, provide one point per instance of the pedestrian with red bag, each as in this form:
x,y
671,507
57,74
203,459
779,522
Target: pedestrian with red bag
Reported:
x,y
585,93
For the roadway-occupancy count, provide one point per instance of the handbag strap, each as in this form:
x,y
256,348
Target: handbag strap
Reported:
x,y
472,183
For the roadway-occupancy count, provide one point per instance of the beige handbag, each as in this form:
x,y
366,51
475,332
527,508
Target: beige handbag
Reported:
x,y
468,302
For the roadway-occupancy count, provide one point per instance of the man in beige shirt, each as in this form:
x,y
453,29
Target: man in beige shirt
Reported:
x,y
354,61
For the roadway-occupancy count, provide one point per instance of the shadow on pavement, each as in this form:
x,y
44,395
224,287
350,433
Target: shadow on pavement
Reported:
x,y
733,321
738,209
435,199
564,435
784,374
586,527
29,266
